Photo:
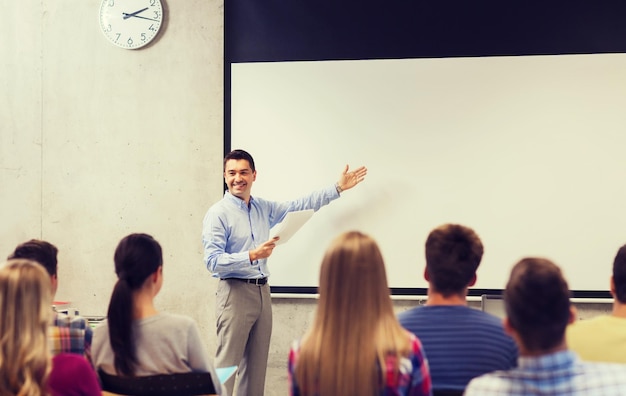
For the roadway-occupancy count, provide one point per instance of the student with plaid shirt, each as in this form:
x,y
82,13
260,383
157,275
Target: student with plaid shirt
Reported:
x,y
67,334
355,345
537,302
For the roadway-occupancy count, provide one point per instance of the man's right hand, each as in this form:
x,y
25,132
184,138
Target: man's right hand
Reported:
x,y
264,250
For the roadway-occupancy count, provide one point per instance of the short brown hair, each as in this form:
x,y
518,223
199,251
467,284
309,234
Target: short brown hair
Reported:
x,y
453,253
240,155
537,303
40,251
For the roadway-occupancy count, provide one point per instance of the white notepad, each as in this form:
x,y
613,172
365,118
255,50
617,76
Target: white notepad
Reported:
x,y
292,222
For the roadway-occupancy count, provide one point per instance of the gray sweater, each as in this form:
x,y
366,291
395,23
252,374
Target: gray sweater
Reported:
x,y
166,344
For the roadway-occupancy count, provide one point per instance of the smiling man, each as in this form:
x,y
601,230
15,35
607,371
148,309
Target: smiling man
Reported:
x,y
236,243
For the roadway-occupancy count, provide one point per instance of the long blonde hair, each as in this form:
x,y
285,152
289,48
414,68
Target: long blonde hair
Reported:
x,y
25,314
355,326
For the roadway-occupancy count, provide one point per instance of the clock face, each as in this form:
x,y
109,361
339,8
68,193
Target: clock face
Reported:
x,y
130,24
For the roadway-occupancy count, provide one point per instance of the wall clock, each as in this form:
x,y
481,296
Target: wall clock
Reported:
x,y
130,24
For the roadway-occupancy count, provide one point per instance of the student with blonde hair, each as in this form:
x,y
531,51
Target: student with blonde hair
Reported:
x,y
356,345
26,367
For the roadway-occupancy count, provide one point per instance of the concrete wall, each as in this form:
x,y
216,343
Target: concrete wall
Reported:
x,y
97,142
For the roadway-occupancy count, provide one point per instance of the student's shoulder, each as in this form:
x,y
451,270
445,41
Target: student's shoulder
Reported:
x,y
495,383
414,343
594,323
70,360
75,324
176,320
74,321
444,312
485,317
411,313
605,370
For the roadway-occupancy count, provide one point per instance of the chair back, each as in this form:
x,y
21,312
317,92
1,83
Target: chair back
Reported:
x,y
448,392
180,384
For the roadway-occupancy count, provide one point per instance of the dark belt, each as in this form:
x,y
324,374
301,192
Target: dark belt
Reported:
x,y
256,281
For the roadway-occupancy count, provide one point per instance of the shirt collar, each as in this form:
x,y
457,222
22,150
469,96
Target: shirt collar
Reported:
x,y
552,361
237,201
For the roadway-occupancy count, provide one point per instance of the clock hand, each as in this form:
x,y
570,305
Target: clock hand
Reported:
x,y
139,16
126,16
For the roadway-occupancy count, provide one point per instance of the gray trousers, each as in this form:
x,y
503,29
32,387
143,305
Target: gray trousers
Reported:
x,y
244,329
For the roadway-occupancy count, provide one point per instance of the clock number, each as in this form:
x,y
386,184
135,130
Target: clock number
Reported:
x,y
143,27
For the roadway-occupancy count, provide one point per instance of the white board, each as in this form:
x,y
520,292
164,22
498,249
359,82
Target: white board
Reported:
x,y
528,151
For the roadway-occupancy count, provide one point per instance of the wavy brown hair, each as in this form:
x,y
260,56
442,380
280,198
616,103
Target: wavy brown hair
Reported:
x,y
25,314
354,327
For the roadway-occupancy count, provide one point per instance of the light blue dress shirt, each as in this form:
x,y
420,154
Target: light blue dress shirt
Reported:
x,y
231,229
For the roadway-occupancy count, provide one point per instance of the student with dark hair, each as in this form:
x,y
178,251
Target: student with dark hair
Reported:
x,y
603,338
537,304
69,334
237,245
136,339
460,342
355,345
42,252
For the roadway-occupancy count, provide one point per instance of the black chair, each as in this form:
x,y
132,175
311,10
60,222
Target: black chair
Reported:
x,y
448,392
183,384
